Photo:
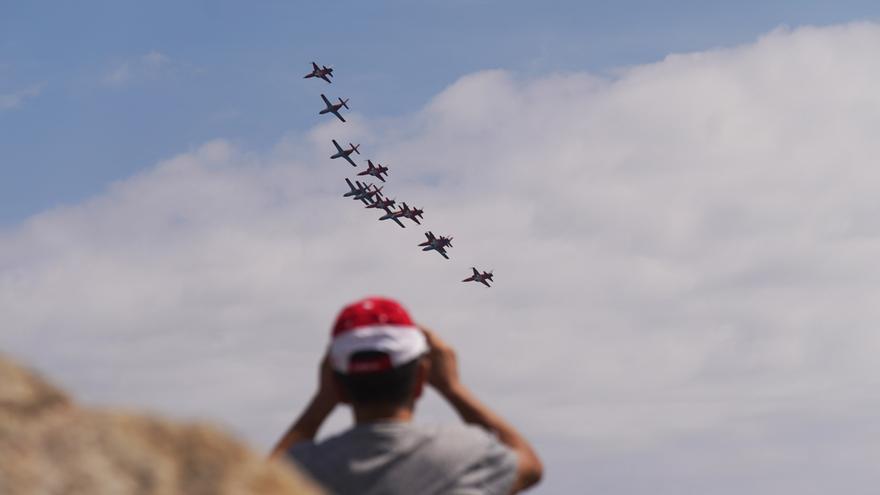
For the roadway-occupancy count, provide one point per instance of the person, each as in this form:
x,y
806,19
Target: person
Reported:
x,y
379,362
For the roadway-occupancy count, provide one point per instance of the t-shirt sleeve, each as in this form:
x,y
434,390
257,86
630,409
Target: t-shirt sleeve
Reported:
x,y
494,472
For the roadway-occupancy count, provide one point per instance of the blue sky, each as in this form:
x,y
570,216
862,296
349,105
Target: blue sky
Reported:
x,y
232,69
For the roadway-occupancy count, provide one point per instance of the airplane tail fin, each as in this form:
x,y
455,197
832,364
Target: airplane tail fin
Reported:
x,y
355,147
344,103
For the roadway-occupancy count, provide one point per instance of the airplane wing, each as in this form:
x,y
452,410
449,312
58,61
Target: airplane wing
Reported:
x,y
338,148
485,283
339,116
326,101
380,178
476,273
350,185
347,157
315,66
324,77
398,222
443,252
414,219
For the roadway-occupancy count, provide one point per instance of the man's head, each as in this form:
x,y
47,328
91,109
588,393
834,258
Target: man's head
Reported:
x,y
376,354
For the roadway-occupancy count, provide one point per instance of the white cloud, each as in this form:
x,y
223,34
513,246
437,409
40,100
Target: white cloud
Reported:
x,y
685,266
15,99
148,66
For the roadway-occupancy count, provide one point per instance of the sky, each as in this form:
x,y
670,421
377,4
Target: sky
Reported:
x,y
92,92
679,204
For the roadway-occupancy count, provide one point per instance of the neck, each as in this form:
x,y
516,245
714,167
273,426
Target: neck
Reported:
x,y
372,414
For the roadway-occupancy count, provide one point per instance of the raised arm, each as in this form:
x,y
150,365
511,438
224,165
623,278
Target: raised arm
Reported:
x,y
309,422
445,379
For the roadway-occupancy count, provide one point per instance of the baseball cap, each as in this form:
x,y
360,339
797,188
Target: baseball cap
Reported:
x,y
372,335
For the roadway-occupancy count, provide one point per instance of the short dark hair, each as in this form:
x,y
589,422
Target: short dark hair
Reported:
x,y
390,387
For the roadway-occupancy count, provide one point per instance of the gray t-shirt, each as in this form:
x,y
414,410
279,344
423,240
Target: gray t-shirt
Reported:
x,y
404,458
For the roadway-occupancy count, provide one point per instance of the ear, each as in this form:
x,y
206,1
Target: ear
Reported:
x,y
421,377
341,392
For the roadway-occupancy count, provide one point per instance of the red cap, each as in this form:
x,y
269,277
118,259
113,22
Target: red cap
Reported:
x,y
375,324
371,311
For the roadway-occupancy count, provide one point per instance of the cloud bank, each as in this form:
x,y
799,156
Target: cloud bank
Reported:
x,y
686,282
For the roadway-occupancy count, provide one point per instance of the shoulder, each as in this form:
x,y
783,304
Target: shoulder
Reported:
x,y
468,444
311,453
484,463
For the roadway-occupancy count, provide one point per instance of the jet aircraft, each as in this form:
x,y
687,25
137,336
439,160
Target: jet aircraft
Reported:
x,y
382,202
341,153
375,170
323,72
393,215
484,278
413,214
333,107
376,191
361,192
438,244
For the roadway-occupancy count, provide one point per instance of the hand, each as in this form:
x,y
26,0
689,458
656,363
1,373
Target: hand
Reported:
x,y
327,393
444,365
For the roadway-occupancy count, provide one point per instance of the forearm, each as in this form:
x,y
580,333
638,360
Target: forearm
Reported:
x,y
473,411
306,425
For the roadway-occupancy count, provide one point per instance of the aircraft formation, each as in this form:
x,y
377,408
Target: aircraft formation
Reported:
x,y
371,195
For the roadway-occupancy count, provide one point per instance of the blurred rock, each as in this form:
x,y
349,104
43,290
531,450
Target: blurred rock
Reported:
x,y
49,446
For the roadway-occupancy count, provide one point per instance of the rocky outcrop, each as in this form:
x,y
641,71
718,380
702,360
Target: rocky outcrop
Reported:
x,y
50,446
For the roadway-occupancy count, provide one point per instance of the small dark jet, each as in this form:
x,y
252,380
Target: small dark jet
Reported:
x,y
334,107
323,72
413,214
438,244
393,215
341,153
375,170
362,192
382,202
484,278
